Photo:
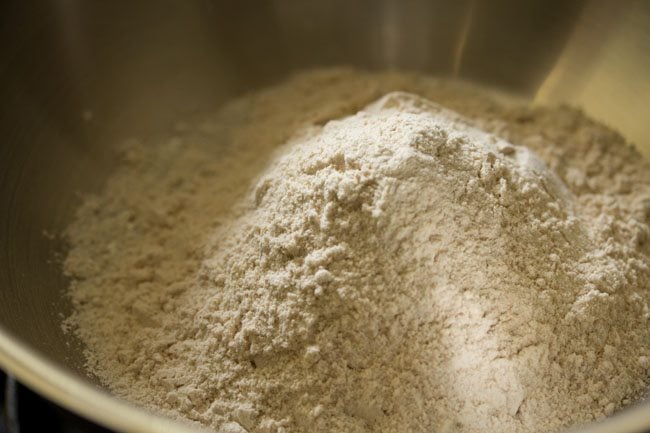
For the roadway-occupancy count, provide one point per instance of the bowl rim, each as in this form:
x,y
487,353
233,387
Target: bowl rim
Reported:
x,y
70,392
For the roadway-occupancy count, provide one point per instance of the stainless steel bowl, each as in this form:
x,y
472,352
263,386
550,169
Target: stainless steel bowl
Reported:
x,y
77,75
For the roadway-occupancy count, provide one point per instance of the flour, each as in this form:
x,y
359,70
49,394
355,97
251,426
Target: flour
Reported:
x,y
330,255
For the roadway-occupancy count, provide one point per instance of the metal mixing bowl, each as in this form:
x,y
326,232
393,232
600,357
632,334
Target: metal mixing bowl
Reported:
x,y
76,75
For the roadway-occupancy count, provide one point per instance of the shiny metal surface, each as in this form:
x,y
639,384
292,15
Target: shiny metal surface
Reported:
x,y
77,75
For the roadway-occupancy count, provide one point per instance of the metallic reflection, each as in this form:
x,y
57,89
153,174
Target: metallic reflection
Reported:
x,y
137,66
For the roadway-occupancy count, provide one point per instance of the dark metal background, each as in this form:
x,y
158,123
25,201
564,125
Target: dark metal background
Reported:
x,y
78,75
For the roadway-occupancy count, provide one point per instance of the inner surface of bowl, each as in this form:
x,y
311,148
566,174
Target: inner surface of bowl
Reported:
x,y
78,77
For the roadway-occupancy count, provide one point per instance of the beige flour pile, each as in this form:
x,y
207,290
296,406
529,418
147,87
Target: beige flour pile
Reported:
x,y
321,258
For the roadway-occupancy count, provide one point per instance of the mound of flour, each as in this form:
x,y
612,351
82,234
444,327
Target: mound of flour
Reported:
x,y
398,269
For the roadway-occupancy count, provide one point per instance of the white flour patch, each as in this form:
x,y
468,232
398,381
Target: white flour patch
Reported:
x,y
310,260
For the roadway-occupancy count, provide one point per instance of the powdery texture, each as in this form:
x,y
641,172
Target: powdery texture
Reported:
x,y
396,270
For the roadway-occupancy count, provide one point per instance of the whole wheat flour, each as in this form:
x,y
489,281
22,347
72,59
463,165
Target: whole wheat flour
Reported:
x,y
334,254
